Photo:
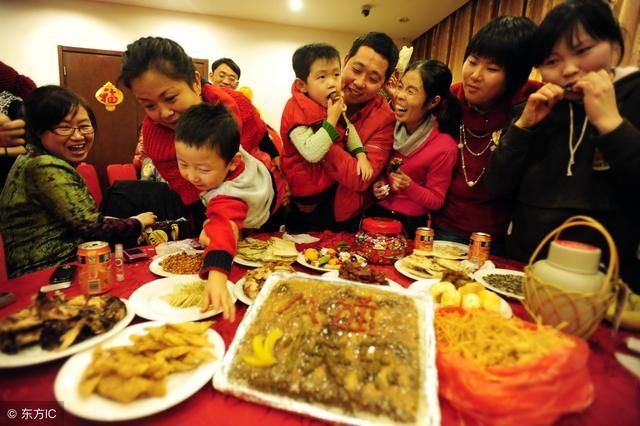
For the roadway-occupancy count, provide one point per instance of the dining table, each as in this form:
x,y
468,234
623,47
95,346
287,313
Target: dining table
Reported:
x,y
616,401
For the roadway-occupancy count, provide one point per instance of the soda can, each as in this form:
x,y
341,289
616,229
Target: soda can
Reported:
x,y
94,267
424,239
479,247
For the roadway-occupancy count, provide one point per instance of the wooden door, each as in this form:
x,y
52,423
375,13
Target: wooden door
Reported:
x,y
86,70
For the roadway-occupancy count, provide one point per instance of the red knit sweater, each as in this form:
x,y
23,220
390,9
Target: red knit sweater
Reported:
x,y
11,81
158,140
472,209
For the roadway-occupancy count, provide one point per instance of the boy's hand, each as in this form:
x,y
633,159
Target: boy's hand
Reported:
x,y
216,296
335,106
364,168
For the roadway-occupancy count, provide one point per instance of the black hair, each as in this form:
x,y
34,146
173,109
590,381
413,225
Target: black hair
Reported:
x,y
46,107
304,57
507,41
436,80
159,54
381,44
228,62
595,16
209,126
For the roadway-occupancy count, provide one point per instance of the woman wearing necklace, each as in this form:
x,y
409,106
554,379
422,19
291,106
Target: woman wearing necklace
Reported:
x,y
495,73
427,117
575,148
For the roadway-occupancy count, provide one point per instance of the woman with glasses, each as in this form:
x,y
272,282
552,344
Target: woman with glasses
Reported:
x,y
46,209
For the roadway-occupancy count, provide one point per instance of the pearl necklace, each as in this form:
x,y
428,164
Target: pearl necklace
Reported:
x,y
573,148
495,138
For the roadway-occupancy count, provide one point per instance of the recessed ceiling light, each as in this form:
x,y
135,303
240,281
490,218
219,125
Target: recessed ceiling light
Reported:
x,y
404,19
295,4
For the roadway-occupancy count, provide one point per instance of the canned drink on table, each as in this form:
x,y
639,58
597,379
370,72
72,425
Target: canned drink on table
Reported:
x,y
479,247
94,267
424,239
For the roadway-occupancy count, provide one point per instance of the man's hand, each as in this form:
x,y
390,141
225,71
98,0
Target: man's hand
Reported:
x,y
11,131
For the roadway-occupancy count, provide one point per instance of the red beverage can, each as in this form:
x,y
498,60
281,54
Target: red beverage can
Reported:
x,y
424,239
94,267
479,247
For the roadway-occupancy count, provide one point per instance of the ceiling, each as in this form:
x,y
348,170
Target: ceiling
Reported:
x,y
333,15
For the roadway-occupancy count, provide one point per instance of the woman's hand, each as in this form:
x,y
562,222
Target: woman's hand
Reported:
x,y
380,189
539,105
216,296
399,181
146,219
599,97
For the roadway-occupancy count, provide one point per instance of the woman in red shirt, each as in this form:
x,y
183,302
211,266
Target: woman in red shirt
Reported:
x,y
494,80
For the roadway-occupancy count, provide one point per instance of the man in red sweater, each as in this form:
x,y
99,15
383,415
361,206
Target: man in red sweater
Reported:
x,y
368,65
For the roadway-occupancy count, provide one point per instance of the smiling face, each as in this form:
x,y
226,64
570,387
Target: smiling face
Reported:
x,y
568,62
163,98
411,101
483,81
224,76
73,148
363,76
323,81
203,167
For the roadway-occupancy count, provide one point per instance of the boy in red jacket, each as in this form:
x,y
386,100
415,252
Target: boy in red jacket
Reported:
x,y
237,189
312,120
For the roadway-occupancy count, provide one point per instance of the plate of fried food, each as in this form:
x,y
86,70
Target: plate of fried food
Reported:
x,y
446,250
186,262
146,369
328,259
361,273
56,327
417,267
253,252
248,287
173,299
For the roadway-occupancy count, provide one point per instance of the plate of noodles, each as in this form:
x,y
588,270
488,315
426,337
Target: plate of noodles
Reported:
x,y
186,262
173,299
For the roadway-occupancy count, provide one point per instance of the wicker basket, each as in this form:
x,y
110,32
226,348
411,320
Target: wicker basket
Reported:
x,y
574,312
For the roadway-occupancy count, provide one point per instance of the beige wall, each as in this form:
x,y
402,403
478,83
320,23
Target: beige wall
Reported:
x,y
31,30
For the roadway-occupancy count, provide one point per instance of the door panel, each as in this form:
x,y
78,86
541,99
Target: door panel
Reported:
x,y
86,70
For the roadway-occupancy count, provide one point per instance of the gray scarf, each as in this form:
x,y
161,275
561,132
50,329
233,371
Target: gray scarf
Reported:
x,y
406,143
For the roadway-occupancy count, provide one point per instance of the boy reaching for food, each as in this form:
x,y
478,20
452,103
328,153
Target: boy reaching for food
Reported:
x,y
313,119
237,189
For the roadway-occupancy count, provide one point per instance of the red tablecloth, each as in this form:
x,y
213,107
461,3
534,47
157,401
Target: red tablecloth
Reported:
x,y
617,399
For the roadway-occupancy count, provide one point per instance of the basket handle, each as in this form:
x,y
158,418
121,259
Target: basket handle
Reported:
x,y
613,268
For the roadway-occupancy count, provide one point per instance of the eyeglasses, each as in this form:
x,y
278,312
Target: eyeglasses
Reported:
x,y
68,131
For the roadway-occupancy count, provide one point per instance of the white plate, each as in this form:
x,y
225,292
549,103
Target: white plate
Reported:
x,y
36,355
423,286
460,246
480,274
180,386
238,290
248,263
303,261
336,275
407,273
147,301
155,267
